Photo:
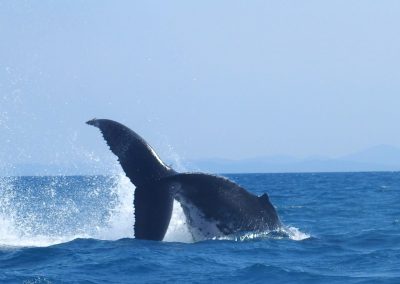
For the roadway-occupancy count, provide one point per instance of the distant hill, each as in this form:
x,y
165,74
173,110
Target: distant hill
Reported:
x,y
382,154
378,158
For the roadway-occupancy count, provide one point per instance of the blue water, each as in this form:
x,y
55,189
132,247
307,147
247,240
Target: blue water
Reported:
x,y
341,228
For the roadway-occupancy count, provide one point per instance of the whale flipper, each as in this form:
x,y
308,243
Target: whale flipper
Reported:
x,y
138,160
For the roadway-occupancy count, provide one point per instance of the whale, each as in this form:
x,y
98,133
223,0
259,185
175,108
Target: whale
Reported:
x,y
213,206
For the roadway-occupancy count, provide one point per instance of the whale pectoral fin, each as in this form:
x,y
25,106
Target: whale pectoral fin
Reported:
x,y
153,210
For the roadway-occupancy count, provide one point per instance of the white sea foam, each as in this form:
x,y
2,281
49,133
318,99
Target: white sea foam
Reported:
x,y
284,232
295,234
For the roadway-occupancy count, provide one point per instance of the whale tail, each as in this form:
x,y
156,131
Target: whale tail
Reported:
x,y
211,204
139,161
153,204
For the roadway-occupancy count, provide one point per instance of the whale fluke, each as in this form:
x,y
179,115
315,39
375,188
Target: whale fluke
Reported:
x,y
153,210
213,206
139,161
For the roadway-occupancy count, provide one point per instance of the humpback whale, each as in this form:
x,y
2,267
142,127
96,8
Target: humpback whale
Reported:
x,y
213,206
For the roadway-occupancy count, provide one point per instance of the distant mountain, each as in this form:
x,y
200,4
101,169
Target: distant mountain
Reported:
x,y
378,158
381,154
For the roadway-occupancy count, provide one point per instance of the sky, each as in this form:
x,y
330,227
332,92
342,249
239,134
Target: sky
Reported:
x,y
198,79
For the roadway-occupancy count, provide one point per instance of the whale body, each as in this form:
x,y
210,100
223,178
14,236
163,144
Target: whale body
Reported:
x,y
214,206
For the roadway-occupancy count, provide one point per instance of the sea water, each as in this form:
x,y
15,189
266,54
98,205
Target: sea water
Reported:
x,y
339,228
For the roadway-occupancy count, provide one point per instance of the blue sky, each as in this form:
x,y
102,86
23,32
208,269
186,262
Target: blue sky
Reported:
x,y
229,79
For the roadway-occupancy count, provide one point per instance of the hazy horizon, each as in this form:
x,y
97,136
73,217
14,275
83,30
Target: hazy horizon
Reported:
x,y
229,80
375,159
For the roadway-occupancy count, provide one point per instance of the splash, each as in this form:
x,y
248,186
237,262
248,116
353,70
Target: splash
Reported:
x,y
295,234
178,230
121,219
285,232
43,211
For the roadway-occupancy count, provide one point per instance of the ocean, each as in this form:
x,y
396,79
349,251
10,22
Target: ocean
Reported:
x,y
339,228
